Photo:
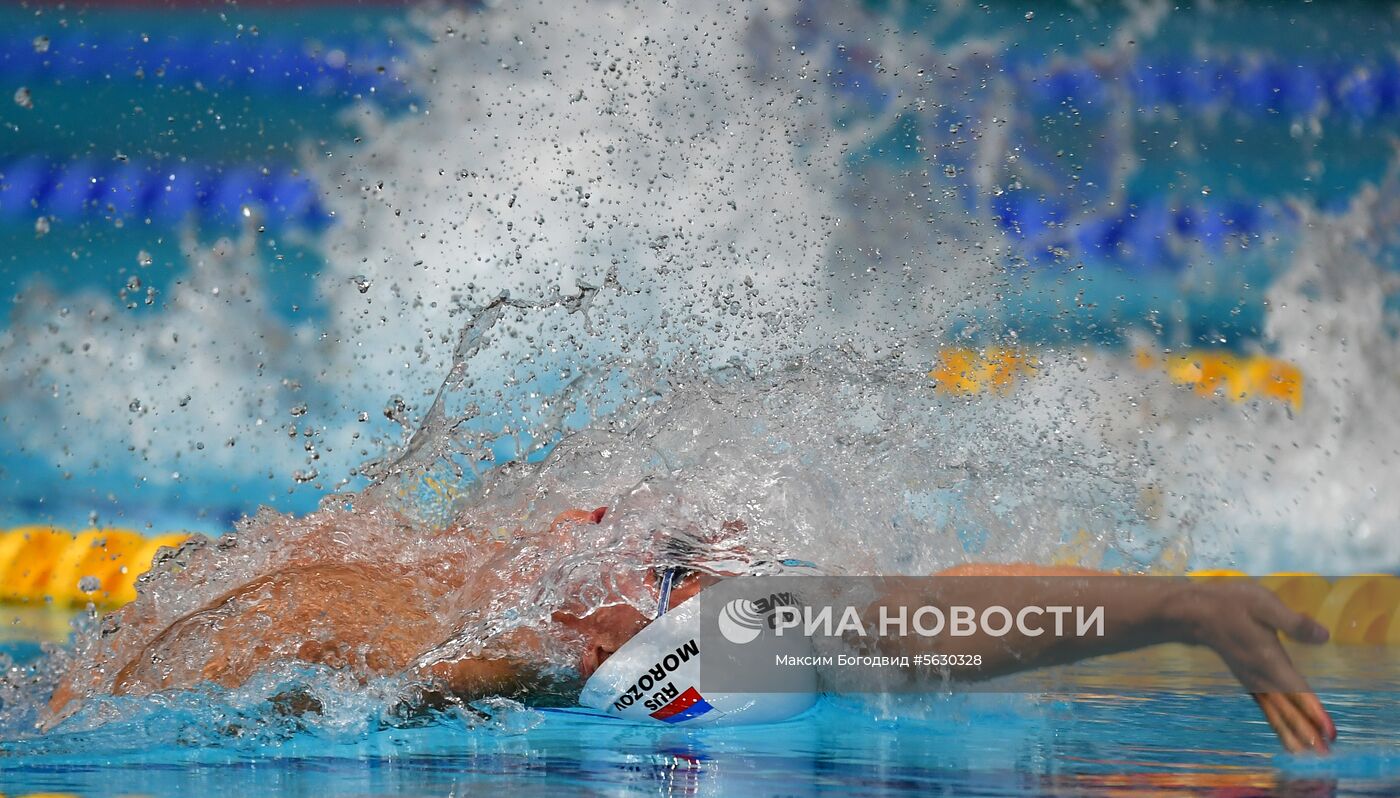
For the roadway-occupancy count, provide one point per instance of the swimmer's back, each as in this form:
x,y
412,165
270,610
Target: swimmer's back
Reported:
x,y
366,618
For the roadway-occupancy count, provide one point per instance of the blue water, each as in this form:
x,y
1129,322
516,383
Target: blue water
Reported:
x,y
1079,742
988,745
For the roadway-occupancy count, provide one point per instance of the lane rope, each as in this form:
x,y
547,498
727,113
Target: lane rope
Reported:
x,y
39,564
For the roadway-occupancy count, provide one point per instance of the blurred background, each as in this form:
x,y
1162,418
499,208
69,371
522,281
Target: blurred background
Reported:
x,y
131,132
179,228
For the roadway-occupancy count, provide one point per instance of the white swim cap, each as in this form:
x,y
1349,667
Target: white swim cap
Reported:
x,y
656,677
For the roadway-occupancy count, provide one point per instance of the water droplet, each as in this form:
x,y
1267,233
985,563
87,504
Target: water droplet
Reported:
x,y
362,283
41,226
143,259
23,98
41,44
299,410
89,584
1030,15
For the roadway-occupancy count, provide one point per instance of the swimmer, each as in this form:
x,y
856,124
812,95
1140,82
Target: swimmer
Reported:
x,y
382,619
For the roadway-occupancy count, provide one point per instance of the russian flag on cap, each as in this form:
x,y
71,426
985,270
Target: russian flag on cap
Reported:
x,y
683,707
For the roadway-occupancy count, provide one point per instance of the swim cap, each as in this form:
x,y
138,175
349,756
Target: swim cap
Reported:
x,y
655,677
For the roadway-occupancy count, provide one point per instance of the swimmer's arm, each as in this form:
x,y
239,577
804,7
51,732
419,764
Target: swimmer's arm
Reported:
x,y
1240,621
1137,613
447,684
470,679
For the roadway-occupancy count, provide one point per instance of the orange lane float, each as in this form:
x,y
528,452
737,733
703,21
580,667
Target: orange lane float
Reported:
x,y
961,371
1363,609
1360,609
967,372
1300,592
1239,378
100,566
27,555
40,563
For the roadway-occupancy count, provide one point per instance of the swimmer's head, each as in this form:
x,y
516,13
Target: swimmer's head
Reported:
x,y
621,645
607,629
655,676
605,625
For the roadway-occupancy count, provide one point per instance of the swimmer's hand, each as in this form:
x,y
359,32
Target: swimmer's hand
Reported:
x,y
1241,622
1238,619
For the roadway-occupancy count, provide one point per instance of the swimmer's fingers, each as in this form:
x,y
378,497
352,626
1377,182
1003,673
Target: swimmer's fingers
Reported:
x,y
577,516
1311,707
1291,716
61,704
1281,691
1304,629
1281,723
1299,708
1242,623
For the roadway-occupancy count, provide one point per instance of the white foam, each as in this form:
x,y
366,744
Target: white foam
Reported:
x,y
683,160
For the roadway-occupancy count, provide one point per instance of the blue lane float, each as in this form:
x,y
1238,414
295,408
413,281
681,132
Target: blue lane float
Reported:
x,y
1149,233
1251,83
263,63
1143,233
167,195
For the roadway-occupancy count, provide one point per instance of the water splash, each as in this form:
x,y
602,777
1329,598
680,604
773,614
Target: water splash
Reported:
x,y
207,383
1270,489
661,270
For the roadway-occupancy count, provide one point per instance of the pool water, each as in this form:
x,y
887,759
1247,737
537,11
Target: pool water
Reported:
x,y
992,745
1086,738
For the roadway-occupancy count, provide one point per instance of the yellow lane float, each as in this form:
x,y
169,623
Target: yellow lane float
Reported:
x,y
1358,610
962,371
1300,592
100,566
27,555
39,563
125,589
966,372
1217,573
89,567
1236,377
